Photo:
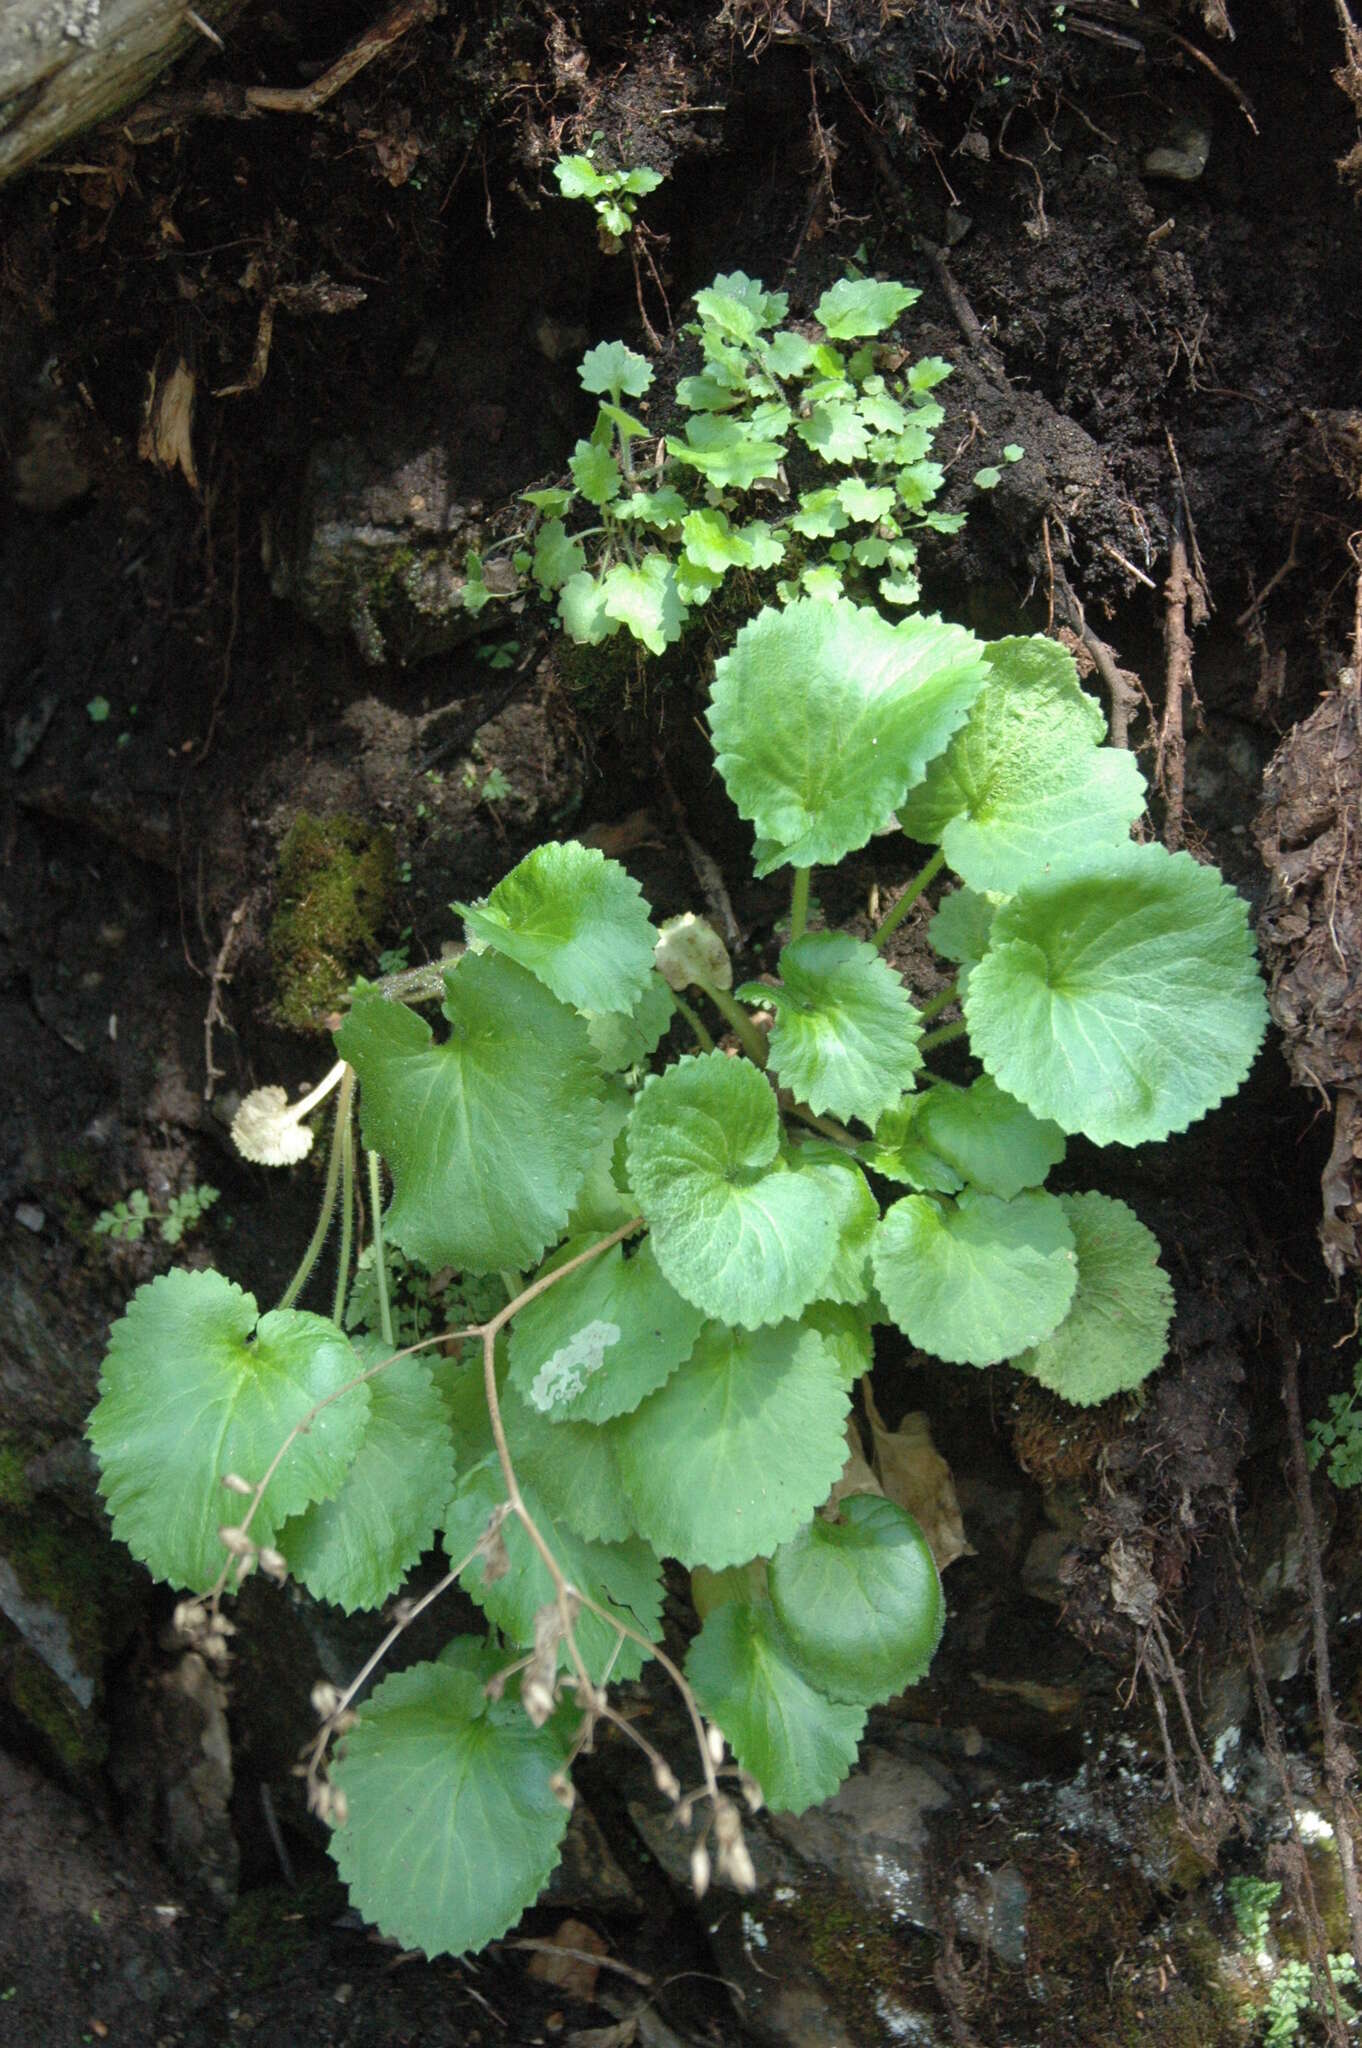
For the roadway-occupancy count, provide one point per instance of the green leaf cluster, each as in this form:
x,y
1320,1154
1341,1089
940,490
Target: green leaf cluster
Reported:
x,y
649,527
614,195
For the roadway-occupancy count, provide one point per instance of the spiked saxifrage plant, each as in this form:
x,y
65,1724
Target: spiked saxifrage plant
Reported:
x,y
646,528
673,1266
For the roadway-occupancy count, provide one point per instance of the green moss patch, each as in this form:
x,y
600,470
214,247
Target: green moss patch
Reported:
x,y
337,876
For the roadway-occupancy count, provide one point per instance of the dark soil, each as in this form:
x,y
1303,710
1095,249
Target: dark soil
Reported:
x,y
1178,359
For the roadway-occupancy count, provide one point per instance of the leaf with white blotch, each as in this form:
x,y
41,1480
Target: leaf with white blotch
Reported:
x,y
453,1826
824,716
355,1549
859,1600
738,1448
796,1742
736,1231
1116,1332
858,306
845,1039
947,1137
197,1383
976,1280
1027,776
576,920
488,1134
624,1578
1120,996
601,1340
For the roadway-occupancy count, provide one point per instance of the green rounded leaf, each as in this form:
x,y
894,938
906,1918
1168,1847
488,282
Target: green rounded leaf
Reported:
x,y
1026,777
846,1036
824,715
1116,1332
488,1135
855,1211
740,1446
960,928
624,1578
613,367
976,1280
859,1600
576,920
599,1342
796,1742
624,1041
453,1827
1120,996
736,1230
857,306
948,1136
196,1384
646,600
355,1549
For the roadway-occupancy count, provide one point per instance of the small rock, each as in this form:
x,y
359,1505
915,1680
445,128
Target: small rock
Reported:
x,y
30,1216
1183,157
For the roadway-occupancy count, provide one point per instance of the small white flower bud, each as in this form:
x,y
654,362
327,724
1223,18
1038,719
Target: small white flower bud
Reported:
x,y
537,1698
685,1813
234,1483
714,1743
237,1541
563,1789
340,1807
666,1781
273,1563
700,1870
190,1618
325,1699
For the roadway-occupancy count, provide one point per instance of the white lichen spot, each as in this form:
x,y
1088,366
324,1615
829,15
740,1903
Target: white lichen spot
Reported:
x,y
899,2024
561,1378
1313,1826
753,1933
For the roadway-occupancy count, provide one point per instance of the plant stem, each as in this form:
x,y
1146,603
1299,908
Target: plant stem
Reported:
x,y
347,1211
939,1003
333,1166
734,1015
385,1314
702,1037
910,896
799,903
943,1036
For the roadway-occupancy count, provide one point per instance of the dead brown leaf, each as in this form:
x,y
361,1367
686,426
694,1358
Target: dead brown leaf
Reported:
x,y
913,1473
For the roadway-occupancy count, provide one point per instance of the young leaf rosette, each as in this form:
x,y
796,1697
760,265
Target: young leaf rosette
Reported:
x,y
1119,996
824,716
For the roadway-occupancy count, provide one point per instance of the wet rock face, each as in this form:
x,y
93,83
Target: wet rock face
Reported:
x,y
376,548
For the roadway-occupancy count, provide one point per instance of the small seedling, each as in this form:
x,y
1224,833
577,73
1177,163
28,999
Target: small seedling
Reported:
x,y
613,194
1338,1437
127,1221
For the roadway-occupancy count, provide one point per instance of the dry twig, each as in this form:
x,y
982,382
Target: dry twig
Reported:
x,y
305,99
